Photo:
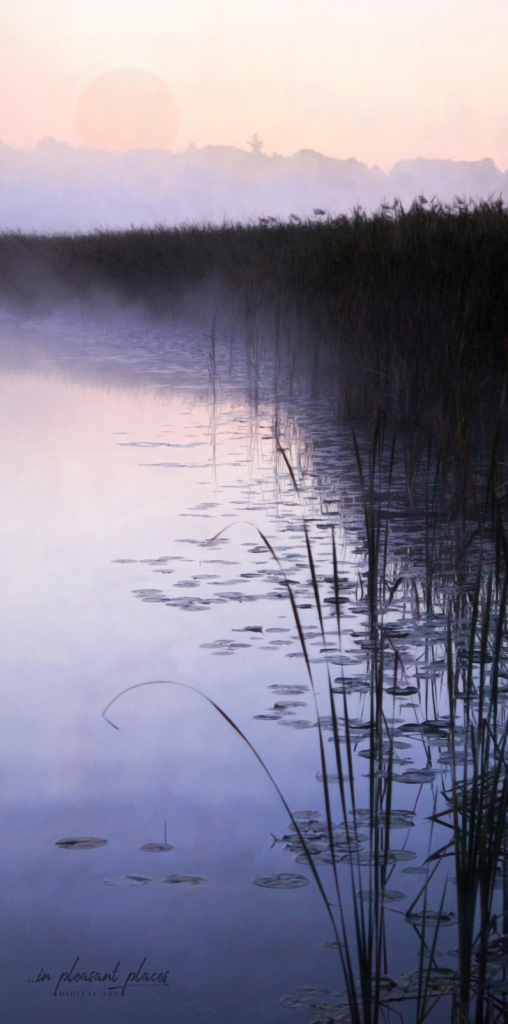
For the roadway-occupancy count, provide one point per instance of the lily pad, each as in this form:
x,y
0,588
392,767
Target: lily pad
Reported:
x,y
397,821
416,777
499,987
81,843
284,880
389,895
284,705
287,689
331,777
436,976
297,723
364,814
432,917
183,879
320,857
343,1018
157,847
456,757
363,858
306,997
128,880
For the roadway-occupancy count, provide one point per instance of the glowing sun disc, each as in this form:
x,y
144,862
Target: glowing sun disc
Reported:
x,y
127,109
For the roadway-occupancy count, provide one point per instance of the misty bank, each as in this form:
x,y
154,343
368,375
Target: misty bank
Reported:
x,y
407,309
56,187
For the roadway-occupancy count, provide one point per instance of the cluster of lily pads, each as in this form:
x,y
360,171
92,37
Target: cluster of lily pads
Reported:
x,y
93,843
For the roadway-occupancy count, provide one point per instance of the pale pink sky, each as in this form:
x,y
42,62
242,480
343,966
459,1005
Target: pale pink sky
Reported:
x,y
380,80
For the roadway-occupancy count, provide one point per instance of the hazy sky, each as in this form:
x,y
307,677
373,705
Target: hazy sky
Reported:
x,y
376,79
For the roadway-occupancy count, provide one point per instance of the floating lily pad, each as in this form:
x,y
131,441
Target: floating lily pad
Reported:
x,y
435,975
297,723
157,847
128,880
364,858
397,821
432,917
351,684
355,837
81,843
306,997
284,880
333,1014
183,879
285,705
331,777
310,834
287,689
389,895
365,814
417,777
318,857
311,830
405,691
456,757
499,987
385,983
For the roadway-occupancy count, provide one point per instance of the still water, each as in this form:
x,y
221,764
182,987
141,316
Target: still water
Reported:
x,y
138,474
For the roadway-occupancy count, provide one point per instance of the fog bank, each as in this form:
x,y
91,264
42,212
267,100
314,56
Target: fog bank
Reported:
x,y
56,187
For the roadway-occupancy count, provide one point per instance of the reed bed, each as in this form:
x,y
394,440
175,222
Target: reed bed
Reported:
x,y
404,310
353,864
410,306
402,320
475,798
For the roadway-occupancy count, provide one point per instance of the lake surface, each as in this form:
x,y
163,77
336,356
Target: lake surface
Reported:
x,y
139,472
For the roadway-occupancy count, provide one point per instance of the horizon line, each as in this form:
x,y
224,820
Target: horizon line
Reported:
x,y
49,140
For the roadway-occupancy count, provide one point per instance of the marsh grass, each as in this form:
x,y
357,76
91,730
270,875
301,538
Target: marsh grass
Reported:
x,y
407,314
403,308
473,807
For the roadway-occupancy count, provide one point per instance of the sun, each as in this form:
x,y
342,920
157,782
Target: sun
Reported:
x,y
127,109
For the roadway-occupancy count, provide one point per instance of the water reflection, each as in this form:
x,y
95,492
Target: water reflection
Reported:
x,y
127,448
102,567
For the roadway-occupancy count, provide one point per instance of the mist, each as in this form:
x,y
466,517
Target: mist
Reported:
x,y
59,188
